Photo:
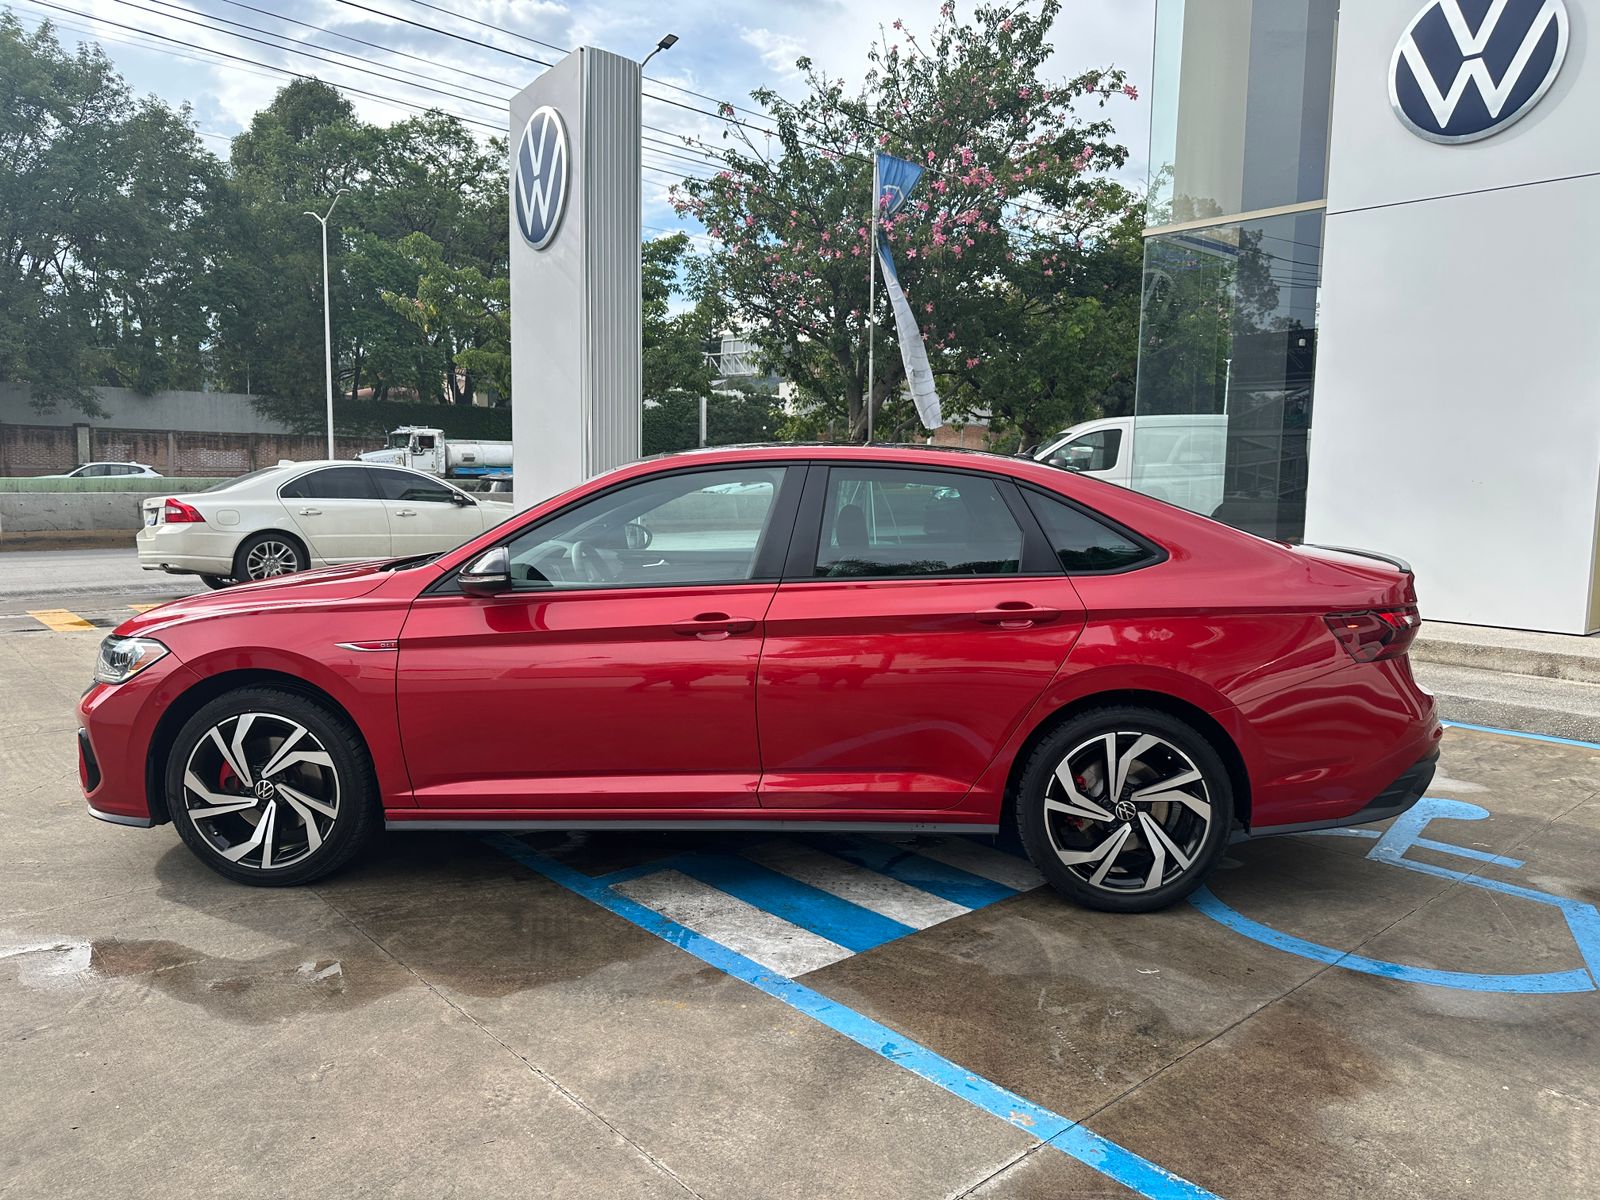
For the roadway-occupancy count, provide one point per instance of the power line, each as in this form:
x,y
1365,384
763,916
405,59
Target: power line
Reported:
x,y
151,47
445,32
342,87
285,49
363,42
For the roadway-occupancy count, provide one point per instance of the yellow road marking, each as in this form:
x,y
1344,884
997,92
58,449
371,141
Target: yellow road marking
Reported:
x,y
60,620
145,607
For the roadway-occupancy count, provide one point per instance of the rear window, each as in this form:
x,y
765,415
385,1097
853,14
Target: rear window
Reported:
x,y
332,483
1082,543
241,479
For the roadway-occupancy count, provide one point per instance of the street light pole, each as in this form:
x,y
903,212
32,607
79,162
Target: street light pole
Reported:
x,y
327,312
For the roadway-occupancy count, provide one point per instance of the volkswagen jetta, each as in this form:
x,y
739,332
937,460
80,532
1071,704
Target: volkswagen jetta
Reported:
x,y
796,637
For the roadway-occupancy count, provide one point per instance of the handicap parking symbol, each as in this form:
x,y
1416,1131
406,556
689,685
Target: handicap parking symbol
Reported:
x,y
1583,920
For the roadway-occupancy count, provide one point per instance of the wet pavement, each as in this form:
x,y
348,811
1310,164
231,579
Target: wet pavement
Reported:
x,y
459,1016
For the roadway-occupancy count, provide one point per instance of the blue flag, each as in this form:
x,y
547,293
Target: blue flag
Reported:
x,y
893,179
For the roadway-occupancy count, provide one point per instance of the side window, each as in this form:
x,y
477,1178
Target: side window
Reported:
x,y
420,489
888,521
1081,543
331,483
98,471
697,527
1095,451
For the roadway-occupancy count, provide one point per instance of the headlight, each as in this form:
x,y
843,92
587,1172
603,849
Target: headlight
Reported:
x,y
123,658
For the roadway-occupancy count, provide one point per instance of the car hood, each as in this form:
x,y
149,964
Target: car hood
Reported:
x,y
307,589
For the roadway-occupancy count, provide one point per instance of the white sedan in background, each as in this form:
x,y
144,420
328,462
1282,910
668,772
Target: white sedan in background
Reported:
x,y
300,515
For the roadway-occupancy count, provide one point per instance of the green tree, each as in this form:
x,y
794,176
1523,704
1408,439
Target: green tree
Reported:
x,y
107,205
1009,208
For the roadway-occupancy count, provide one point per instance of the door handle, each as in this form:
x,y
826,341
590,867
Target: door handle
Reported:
x,y
713,626
1017,614
310,512
405,512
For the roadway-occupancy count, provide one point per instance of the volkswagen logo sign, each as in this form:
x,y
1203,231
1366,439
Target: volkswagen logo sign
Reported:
x,y
1465,69
539,177
264,789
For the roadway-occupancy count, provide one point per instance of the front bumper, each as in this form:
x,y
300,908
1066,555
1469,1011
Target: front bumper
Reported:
x,y
1395,799
117,723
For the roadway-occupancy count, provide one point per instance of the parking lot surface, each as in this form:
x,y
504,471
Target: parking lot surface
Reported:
x,y
613,1015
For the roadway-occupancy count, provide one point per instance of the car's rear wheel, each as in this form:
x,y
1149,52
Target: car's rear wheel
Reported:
x,y
270,787
1125,809
268,555
216,581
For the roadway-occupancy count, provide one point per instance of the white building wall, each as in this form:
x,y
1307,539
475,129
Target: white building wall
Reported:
x,y
1457,411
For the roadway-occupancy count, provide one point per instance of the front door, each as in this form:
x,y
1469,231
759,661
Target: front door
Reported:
x,y
915,627
426,515
618,672
338,511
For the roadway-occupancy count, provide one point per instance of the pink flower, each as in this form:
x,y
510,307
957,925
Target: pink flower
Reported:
x,y
927,308
966,156
972,362
883,139
930,158
825,236
939,239
855,251
899,24
912,252
1005,26
1131,92
749,222
1024,92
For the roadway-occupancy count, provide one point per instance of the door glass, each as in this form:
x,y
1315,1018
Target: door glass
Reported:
x,y
420,489
333,483
697,527
1095,451
886,521
1082,544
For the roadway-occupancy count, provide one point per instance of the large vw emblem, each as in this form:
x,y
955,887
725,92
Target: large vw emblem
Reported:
x,y
539,177
1465,69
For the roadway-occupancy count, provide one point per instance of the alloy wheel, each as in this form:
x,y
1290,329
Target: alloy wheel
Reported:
x,y
261,790
1127,812
271,558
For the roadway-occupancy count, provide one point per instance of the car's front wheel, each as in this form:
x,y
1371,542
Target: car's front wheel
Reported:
x,y
1125,809
270,787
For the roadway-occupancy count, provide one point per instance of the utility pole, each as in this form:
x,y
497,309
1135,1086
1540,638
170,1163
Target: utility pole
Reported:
x,y
327,315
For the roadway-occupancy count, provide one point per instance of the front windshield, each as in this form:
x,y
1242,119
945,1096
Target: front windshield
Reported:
x,y
397,441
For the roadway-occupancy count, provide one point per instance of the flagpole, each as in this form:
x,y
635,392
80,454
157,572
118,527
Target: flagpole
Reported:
x,y
872,292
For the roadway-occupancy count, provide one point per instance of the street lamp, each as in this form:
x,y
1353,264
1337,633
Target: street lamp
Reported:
x,y
327,318
666,43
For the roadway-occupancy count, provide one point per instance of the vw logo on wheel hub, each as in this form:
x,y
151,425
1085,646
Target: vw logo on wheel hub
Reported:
x,y
539,177
264,789
1465,69
1126,811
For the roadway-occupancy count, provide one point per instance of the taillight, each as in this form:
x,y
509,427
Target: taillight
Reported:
x,y
1377,634
176,512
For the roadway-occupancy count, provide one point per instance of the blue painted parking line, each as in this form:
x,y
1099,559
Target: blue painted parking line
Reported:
x,y
1583,920
1517,733
1047,1127
941,879
846,924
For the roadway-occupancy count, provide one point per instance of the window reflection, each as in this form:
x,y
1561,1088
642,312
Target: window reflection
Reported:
x,y
1227,354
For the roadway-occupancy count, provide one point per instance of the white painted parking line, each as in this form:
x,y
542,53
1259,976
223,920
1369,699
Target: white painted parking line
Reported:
x,y
759,936
888,897
994,865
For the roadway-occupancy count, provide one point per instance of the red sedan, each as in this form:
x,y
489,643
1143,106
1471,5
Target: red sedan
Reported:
x,y
786,637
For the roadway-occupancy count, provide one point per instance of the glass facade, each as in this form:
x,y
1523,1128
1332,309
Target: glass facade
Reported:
x,y
1222,412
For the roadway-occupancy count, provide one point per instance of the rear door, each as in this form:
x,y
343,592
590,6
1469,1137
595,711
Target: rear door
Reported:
x,y
338,511
426,515
920,616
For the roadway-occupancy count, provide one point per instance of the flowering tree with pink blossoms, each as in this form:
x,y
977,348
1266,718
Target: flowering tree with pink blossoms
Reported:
x,y
1020,258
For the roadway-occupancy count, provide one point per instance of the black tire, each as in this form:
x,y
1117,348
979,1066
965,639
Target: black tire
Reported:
x,y
309,842
1181,838
214,582
257,554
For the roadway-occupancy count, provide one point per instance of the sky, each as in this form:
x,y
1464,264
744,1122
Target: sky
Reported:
x,y
725,50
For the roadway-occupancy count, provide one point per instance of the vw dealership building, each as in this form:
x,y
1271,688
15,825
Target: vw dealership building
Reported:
x,y
1369,277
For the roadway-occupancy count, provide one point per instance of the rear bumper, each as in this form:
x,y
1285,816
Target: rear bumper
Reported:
x,y
1395,799
186,549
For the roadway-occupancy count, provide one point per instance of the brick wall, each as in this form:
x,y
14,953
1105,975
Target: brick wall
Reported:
x,y
42,450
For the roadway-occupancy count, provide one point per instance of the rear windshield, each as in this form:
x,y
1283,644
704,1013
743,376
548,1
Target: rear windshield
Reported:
x,y
237,480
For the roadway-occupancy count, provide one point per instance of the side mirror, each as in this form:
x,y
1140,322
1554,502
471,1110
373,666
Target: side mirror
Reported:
x,y
462,499
487,575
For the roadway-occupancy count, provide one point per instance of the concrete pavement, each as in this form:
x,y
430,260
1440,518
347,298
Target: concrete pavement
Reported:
x,y
442,1020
